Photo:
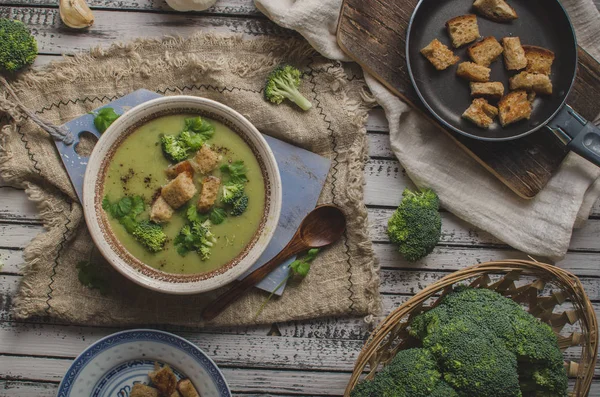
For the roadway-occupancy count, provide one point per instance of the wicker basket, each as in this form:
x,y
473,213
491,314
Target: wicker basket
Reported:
x,y
553,295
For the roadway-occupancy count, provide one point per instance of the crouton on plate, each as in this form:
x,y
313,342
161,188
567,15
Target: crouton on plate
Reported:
x,y
514,54
141,390
160,211
176,169
496,10
187,389
485,51
463,30
440,56
206,159
209,192
539,60
179,191
513,107
492,89
539,83
164,380
473,72
481,113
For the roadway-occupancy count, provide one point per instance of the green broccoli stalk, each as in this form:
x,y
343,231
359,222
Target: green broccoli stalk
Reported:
x,y
18,47
411,373
239,206
283,82
416,225
150,235
173,149
232,191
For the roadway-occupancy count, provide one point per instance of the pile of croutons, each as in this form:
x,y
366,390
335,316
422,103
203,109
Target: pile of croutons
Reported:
x,y
181,188
533,64
165,385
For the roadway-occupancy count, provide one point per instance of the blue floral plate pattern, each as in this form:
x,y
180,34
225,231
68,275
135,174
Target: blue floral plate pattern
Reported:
x,y
111,366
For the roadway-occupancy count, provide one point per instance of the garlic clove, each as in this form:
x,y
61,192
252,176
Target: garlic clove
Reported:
x,y
76,14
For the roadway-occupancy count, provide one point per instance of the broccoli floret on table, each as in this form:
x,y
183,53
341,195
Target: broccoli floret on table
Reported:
x,y
416,225
18,47
283,83
411,373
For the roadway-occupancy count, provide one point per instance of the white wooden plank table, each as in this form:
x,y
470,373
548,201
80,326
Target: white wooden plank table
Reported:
x,y
288,359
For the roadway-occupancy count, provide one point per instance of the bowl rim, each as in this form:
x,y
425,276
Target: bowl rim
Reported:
x,y
86,355
179,286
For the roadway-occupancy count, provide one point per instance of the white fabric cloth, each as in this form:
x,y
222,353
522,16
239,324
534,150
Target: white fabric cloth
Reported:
x,y
541,226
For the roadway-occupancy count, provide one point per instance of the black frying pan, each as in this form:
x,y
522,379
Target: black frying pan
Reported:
x,y
543,23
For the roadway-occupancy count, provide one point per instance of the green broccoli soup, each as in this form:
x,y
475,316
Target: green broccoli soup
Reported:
x,y
184,194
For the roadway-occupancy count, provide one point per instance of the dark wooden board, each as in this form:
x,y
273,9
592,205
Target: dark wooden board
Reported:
x,y
373,33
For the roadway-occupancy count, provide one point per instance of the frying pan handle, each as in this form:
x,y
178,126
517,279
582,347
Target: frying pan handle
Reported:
x,y
580,135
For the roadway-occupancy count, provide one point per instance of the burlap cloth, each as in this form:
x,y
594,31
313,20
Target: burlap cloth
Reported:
x,y
343,280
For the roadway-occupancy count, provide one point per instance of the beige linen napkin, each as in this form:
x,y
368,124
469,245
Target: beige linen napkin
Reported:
x,y
343,279
542,226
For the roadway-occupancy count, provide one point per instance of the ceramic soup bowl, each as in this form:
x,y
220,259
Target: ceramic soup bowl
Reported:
x,y
98,222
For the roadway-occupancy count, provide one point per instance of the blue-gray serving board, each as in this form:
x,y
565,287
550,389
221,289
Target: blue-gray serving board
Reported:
x,y
303,175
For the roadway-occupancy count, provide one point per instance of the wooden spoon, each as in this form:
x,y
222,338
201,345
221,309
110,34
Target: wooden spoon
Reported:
x,y
321,227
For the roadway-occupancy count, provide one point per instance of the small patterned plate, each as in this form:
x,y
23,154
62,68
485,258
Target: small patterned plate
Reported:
x,y
111,366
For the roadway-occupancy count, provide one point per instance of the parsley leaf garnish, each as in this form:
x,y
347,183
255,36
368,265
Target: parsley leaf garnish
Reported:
x,y
298,268
90,276
217,216
104,118
236,171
